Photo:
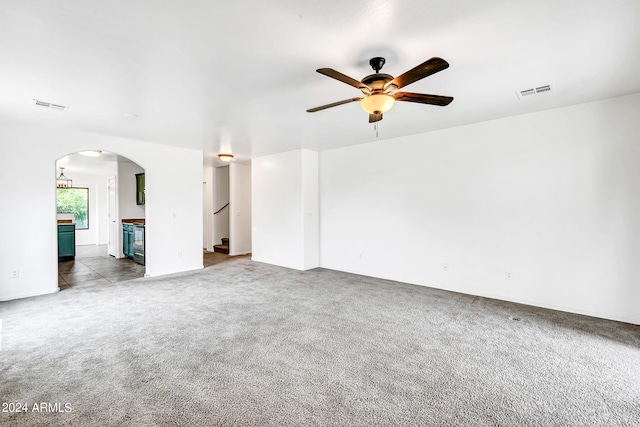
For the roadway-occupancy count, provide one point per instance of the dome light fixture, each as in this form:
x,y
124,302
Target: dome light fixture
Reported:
x,y
377,103
91,153
225,157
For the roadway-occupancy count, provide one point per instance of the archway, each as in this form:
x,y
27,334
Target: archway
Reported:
x,y
109,234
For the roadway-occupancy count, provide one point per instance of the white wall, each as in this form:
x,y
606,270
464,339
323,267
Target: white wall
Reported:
x,y
208,186
127,195
98,232
310,209
127,191
173,210
102,208
239,209
552,198
221,198
284,205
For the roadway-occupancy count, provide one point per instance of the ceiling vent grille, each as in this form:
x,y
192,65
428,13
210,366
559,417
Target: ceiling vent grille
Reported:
x,y
527,92
541,89
49,105
533,91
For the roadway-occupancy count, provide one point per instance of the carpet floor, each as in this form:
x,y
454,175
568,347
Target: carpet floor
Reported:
x,y
249,344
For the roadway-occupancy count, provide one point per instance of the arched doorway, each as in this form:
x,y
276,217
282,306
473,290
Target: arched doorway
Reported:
x,y
105,196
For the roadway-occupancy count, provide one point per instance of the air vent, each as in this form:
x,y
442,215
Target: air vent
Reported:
x,y
541,89
526,93
49,105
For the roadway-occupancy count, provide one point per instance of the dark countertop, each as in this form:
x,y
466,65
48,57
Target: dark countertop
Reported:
x,y
137,221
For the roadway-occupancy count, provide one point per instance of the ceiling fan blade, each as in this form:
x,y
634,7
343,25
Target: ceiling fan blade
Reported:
x,y
375,118
335,104
422,98
427,68
329,72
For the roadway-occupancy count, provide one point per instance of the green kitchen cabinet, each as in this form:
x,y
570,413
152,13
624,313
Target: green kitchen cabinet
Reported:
x,y
66,241
140,189
127,240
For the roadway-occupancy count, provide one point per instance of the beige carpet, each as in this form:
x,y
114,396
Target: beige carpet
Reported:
x,y
248,344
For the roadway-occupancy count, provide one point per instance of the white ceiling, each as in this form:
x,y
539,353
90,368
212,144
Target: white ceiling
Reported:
x,y
238,76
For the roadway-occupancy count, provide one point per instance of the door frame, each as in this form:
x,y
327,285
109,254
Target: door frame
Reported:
x,y
112,250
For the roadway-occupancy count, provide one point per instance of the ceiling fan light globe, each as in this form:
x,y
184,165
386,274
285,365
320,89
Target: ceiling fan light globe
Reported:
x,y
378,103
225,157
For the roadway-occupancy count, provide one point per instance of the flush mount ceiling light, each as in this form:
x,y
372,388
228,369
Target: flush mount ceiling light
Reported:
x,y
62,181
91,153
225,157
379,89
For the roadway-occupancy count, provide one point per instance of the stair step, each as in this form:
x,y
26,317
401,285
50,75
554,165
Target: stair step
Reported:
x,y
222,249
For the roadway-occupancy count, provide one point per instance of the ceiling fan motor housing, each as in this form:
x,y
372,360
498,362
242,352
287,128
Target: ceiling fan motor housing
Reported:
x,y
377,81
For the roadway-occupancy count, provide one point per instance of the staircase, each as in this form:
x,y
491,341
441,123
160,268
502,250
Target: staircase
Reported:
x,y
223,248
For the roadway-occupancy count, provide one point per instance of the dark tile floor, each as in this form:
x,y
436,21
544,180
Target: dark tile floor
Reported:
x,y
93,266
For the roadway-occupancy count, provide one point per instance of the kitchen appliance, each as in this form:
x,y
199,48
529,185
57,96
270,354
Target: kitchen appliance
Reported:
x,y
138,243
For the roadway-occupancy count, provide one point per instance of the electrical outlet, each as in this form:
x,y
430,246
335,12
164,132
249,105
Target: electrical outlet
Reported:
x,y
507,275
179,254
445,267
15,274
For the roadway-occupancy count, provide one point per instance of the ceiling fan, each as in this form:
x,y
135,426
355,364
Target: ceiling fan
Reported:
x,y
380,89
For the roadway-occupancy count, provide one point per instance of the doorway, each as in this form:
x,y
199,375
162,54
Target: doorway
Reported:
x,y
98,255
113,216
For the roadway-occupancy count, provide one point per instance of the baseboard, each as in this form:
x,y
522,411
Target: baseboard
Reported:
x,y
572,310
291,267
28,295
538,304
167,273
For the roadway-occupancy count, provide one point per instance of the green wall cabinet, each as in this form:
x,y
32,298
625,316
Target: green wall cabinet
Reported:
x,y
127,240
139,189
66,241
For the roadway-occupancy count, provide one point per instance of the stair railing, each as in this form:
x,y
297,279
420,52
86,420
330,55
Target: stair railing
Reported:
x,y
219,210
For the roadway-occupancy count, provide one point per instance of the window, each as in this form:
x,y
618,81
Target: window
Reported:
x,y
74,200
